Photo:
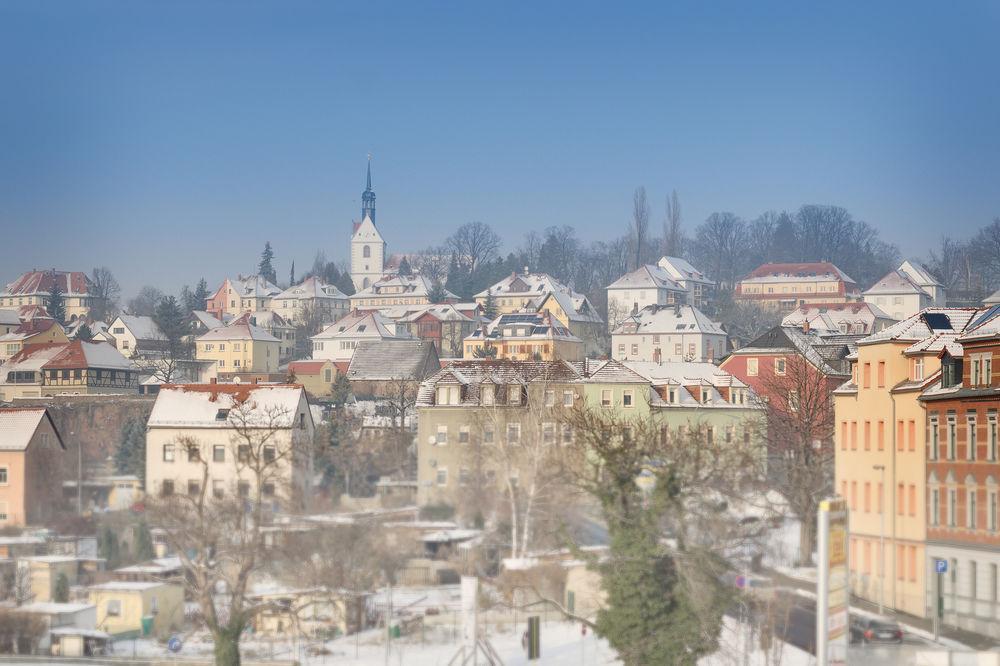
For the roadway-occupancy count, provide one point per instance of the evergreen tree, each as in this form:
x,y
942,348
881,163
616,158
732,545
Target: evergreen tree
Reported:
x,y
345,284
108,549
490,306
486,351
404,267
200,295
170,319
84,333
437,294
130,456
291,277
144,543
187,300
266,267
458,278
56,304
61,594
341,390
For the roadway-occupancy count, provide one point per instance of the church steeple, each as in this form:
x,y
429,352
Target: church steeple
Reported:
x,y
368,196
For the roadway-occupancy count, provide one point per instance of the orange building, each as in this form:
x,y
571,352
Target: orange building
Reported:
x,y
29,479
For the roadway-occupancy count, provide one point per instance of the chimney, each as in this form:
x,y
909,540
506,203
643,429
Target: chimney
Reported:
x,y
805,325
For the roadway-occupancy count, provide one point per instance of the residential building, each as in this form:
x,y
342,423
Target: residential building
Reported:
x,y
963,479
577,313
647,285
9,320
906,291
383,368
316,377
312,301
317,612
839,318
31,332
244,294
697,397
338,341
240,347
525,336
787,286
442,324
111,492
138,336
390,290
35,287
668,333
30,466
201,322
44,572
881,454
210,417
280,328
61,620
700,290
367,244
471,403
520,291
69,368
123,607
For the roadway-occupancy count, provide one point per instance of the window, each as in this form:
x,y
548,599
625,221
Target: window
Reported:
x,y
627,398
548,433
442,435
3,476
168,453
513,433
218,488
868,497
550,398
621,350
488,434
970,519
779,366
900,435
167,488
243,453
514,395
243,489
881,495
913,500
971,448
880,375
606,397
113,608
880,435
194,488
843,435
867,376
449,395
935,516
635,349
269,454
868,435
366,252
952,507
952,444
567,398
442,477
194,454
567,433
463,435
991,443
918,369
934,436
489,392
991,511
854,435
267,489
218,453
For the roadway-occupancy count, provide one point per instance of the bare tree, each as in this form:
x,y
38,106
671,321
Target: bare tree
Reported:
x,y
432,263
106,292
798,408
219,534
720,247
144,303
473,244
672,233
639,227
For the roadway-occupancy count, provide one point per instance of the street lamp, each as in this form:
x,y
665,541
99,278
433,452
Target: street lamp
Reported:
x,y
881,538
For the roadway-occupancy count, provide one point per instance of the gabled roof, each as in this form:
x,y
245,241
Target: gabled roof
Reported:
x,y
364,324
19,424
924,324
238,329
311,287
985,325
210,405
679,269
407,286
919,273
439,311
307,367
828,317
525,284
576,306
28,329
895,283
807,345
801,271
524,325
72,283
647,276
667,319
207,320
66,356
365,230
473,373
382,360
684,373
141,326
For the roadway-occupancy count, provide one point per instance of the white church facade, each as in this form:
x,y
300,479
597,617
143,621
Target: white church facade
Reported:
x,y
367,244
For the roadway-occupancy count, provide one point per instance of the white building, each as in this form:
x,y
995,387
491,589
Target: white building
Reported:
x,y
311,300
838,318
338,341
367,244
906,291
647,285
136,335
668,334
699,288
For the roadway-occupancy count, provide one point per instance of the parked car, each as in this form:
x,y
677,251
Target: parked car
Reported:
x,y
873,630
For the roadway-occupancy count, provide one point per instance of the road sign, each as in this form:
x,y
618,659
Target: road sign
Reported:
x,y
940,566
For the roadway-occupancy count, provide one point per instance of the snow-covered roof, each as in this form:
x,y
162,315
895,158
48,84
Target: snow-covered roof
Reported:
x,y
71,283
363,324
54,608
855,317
895,283
524,325
647,276
524,284
238,329
18,425
919,273
207,320
127,585
209,405
927,322
382,360
576,306
253,286
798,272
66,356
156,566
681,271
986,324
667,319
311,287
684,373
400,285
140,326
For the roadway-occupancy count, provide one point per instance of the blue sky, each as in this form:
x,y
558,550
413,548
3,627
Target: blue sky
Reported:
x,y
170,140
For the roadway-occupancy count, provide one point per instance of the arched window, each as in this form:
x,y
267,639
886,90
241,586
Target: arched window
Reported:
x,y
367,252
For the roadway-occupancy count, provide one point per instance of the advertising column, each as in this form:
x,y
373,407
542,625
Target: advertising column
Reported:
x,y
831,586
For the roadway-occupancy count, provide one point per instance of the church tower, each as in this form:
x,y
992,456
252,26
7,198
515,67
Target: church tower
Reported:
x,y
367,245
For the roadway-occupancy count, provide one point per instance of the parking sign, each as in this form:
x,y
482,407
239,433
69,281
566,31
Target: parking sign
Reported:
x,y
941,566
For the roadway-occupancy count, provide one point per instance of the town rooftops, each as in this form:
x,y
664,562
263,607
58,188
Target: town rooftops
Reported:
x,y
209,321
928,322
807,271
382,360
26,329
525,284
68,356
826,354
400,285
53,608
141,326
127,586
576,306
680,270
360,324
667,319
524,325
307,367
439,311
238,329
71,283
210,405
685,373
311,287
647,276
19,424
253,286
985,325
833,318
895,283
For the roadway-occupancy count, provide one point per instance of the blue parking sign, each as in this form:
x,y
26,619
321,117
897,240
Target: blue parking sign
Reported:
x,y
940,566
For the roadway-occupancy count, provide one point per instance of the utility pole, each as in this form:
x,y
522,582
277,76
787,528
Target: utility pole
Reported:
x,y
881,539
79,474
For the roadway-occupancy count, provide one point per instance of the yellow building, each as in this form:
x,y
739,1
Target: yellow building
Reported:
x,y
525,336
244,294
396,290
881,458
316,377
314,612
33,332
788,286
240,347
519,291
35,288
44,572
122,606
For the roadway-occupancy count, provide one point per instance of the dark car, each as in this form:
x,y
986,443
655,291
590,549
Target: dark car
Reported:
x,y
872,630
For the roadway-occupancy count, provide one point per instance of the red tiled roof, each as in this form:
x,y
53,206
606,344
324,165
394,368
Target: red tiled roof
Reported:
x,y
34,282
33,326
306,367
240,392
342,366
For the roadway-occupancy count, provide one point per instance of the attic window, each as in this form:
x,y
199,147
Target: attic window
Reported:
x,y
361,328
222,415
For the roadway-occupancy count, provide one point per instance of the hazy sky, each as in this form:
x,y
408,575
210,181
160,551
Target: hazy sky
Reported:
x,y
169,140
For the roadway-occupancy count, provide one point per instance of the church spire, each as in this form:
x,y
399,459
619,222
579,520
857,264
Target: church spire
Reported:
x,y
368,196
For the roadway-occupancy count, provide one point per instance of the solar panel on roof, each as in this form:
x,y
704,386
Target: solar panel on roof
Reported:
x,y
986,316
937,321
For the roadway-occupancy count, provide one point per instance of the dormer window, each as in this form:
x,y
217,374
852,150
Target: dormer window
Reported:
x,y
706,395
672,396
514,395
449,395
488,394
917,369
